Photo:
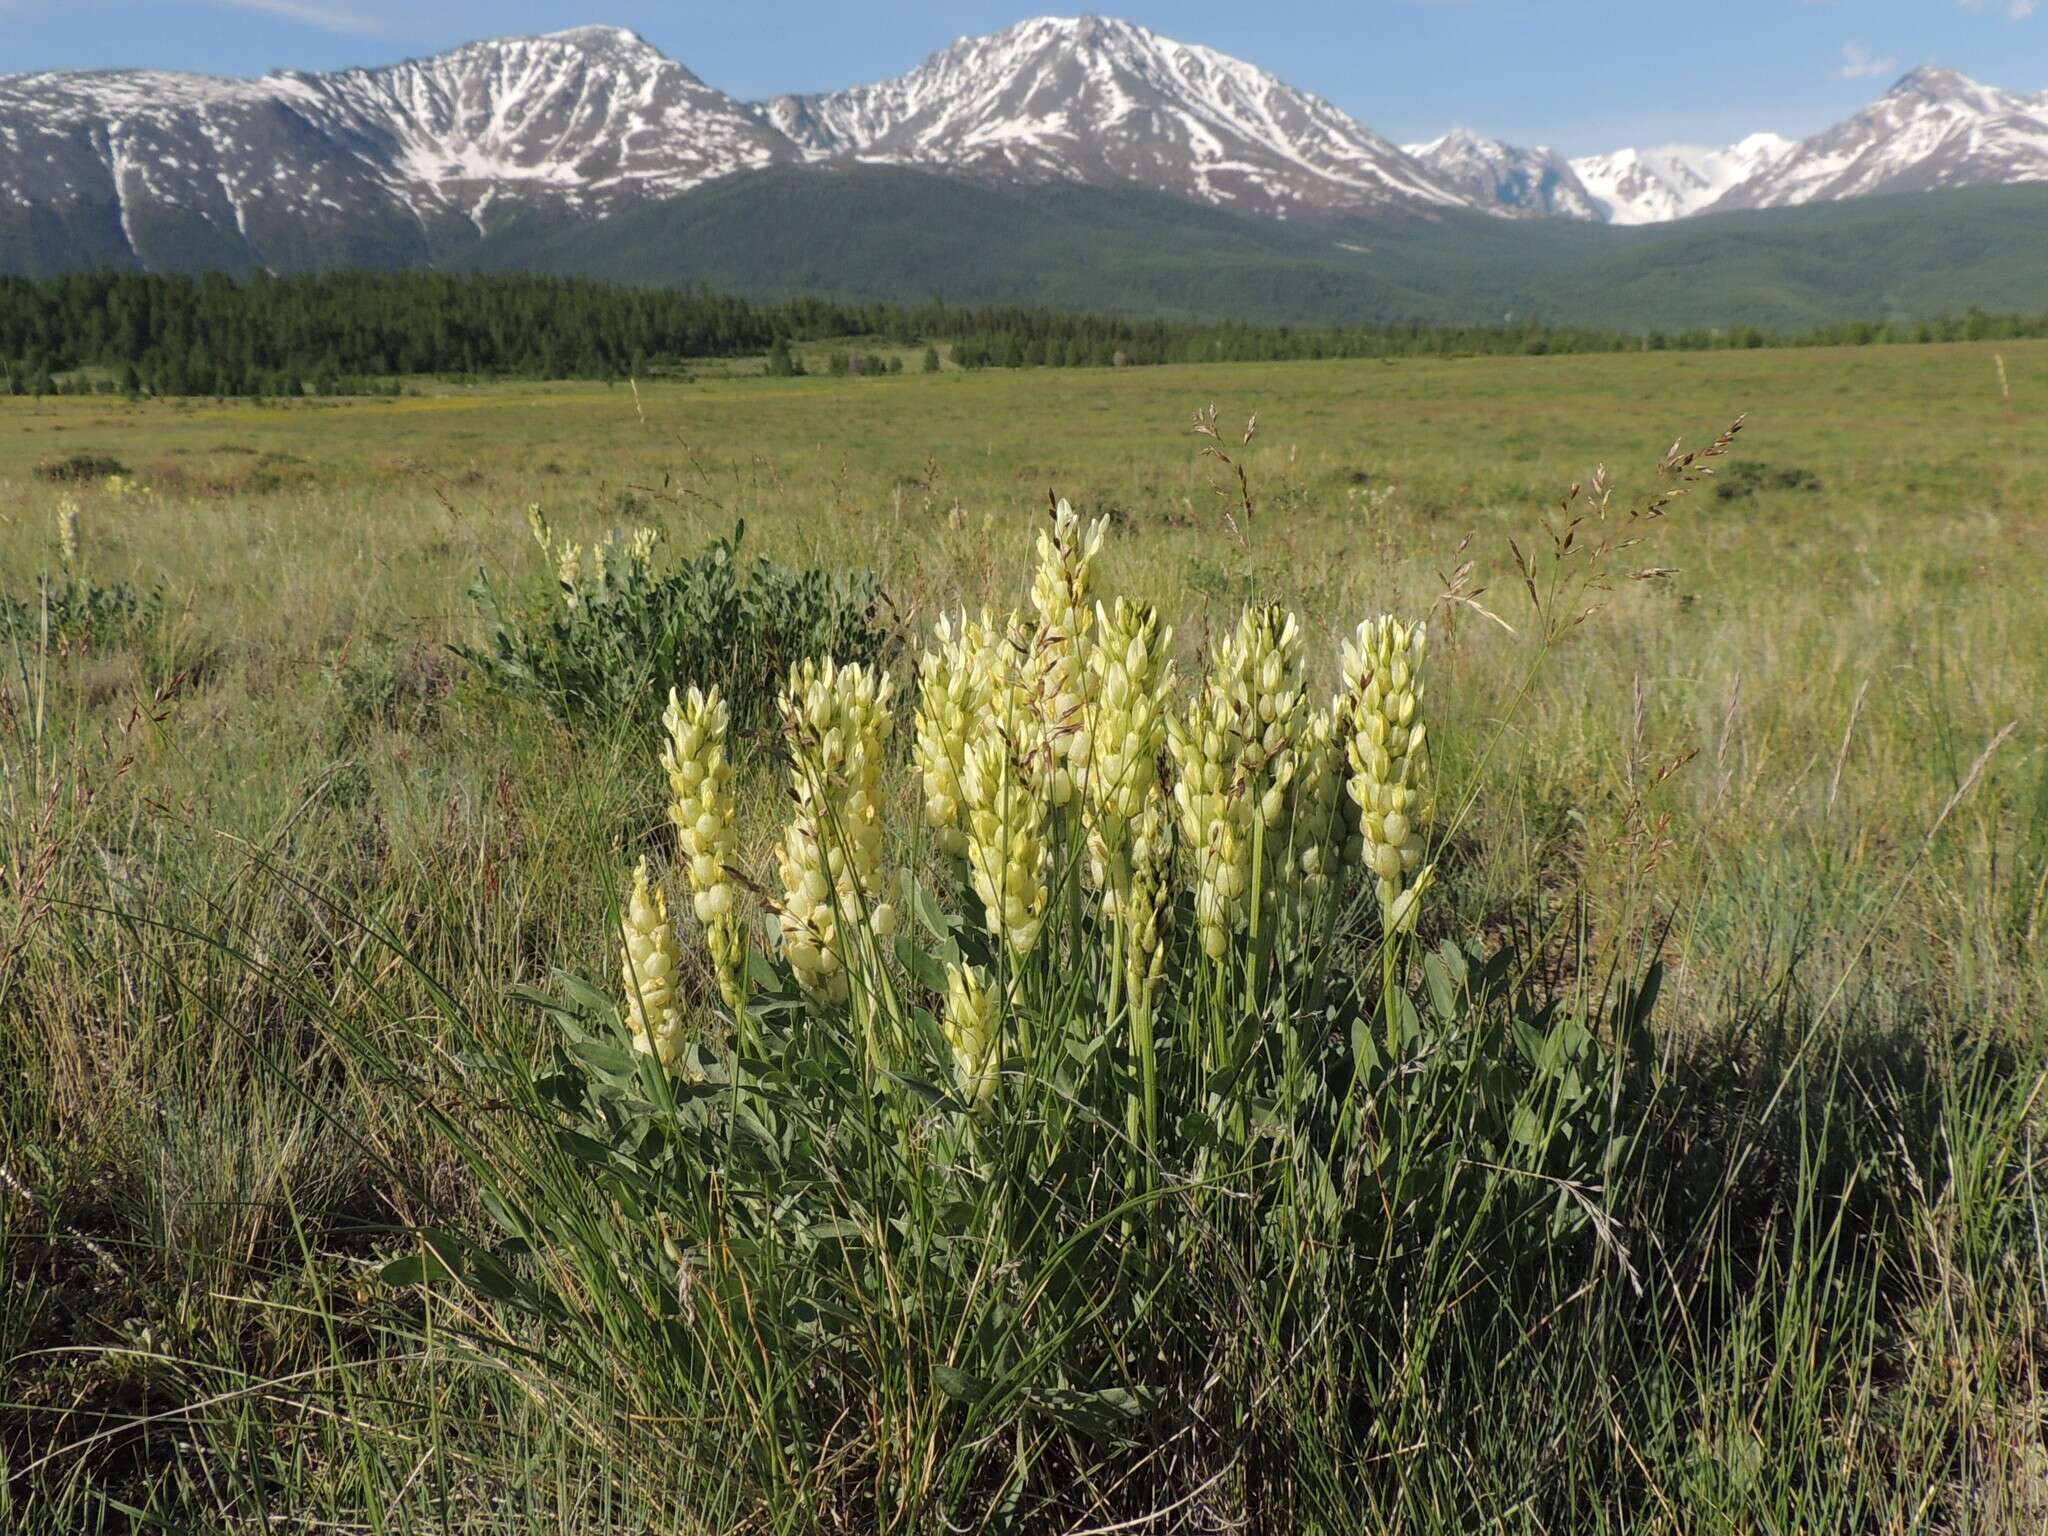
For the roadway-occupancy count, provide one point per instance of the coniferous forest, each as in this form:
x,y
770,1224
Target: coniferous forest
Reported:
x,y
361,332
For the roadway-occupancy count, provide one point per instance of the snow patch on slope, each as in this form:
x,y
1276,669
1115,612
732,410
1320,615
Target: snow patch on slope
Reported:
x,y
1652,186
1503,178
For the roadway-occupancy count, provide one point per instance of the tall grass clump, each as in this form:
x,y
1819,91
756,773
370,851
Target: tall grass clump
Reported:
x,y
1121,1148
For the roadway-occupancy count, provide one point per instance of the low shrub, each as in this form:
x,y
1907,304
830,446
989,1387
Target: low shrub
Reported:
x,y
618,632
70,610
76,613
80,469
1748,479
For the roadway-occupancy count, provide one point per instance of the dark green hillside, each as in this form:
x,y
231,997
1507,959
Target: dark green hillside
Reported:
x,y
875,233
36,241
1884,258
880,233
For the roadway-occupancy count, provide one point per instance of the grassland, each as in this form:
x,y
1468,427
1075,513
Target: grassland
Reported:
x,y
1767,767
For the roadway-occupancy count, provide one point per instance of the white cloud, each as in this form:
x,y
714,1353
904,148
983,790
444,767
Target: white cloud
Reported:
x,y
2016,10
328,18
1857,64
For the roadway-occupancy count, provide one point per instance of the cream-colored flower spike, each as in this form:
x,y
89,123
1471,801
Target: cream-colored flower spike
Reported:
x,y
838,723
972,1029
1213,821
954,694
1388,755
1260,668
701,806
1007,858
1314,846
1236,756
1129,828
1149,857
647,965
1133,680
641,549
569,573
67,530
1055,668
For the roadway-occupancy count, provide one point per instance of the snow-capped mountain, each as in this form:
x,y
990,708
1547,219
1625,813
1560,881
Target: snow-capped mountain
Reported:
x,y
1652,186
1502,178
378,166
1935,128
1097,100
592,116
421,161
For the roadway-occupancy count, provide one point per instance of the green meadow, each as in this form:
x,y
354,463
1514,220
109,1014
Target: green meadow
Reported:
x,y
279,867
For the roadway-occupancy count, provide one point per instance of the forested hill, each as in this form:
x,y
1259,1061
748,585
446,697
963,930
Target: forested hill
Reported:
x,y
352,330
885,233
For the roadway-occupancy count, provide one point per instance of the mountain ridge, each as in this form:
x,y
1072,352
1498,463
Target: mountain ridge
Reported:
x,y
1094,99
426,160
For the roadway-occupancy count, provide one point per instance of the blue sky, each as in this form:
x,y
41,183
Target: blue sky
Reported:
x,y
1583,75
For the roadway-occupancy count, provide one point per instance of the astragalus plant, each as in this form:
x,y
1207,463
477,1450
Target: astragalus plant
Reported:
x,y
1120,1150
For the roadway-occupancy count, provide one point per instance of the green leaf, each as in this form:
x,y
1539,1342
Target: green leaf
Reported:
x,y
961,1386
583,1149
1095,1413
833,1229
1082,1051
447,1256
510,1221
585,998
1443,991
927,969
1407,1019
606,1058
939,923
421,1268
1365,1050
934,1096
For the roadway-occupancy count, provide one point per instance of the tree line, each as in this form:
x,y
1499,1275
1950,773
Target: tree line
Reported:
x,y
361,332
